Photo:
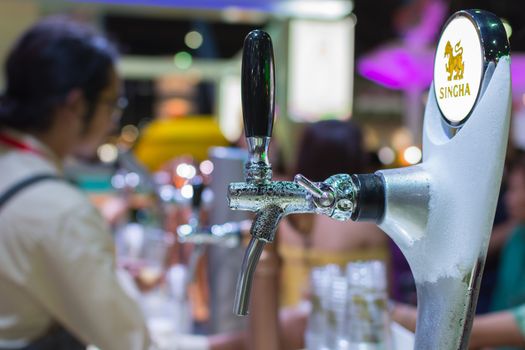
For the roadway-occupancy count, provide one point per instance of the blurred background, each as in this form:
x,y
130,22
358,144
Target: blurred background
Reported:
x,y
366,60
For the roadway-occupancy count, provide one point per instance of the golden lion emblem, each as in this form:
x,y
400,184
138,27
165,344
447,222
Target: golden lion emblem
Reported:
x,y
455,61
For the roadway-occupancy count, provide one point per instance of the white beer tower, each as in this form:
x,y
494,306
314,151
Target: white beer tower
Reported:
x,y
439,212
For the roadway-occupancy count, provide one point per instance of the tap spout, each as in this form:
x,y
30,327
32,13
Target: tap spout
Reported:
x,y
244,283
262,231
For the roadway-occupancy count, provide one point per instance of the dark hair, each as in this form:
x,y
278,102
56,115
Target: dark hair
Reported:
x,y
331,147
516,162
49,60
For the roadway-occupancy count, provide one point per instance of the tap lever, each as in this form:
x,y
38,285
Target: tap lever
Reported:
x,y
358,197
258,98
323,194
258,84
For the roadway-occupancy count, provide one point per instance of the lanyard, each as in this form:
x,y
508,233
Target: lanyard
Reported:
x,y
12,142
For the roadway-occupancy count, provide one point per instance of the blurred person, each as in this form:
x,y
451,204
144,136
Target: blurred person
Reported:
x,y
306,240
59,288
303,241
504,326
58,284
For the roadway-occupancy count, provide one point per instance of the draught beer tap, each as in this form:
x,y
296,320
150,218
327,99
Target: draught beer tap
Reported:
x,y
271,200
439,212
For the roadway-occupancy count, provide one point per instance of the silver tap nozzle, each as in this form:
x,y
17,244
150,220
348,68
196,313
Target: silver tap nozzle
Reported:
x,y
244,283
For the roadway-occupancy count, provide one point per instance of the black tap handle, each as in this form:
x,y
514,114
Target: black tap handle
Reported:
x,y
258,84
198,188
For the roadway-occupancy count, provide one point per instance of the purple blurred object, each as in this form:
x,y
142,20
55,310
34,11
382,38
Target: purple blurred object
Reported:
x,y
408,64
426,31
399,68
517,70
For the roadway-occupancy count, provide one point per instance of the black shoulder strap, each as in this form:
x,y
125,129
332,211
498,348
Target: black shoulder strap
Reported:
x,y
20,185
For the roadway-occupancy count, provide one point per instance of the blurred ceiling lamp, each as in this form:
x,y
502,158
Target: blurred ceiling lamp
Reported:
x,y
386,155
132,179
118,182
206,167
187,191
193,39
107,153
412,155
235,14
313,9
186,171
251,11
129,133
182,60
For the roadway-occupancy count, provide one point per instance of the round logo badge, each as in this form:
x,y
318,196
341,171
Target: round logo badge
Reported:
x,y
458,69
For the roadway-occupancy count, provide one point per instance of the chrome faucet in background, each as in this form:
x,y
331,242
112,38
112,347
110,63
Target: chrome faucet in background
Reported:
x,y
439,212
127,164
224,235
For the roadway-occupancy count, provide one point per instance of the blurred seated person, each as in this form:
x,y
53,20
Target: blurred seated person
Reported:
x,y
504,326
58,284
306,240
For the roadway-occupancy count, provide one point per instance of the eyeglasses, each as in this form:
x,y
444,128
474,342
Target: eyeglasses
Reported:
x,y
118,105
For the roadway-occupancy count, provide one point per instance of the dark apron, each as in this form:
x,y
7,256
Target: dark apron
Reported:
x,y
57,338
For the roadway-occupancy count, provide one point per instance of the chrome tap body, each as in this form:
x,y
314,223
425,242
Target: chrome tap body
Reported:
x,y
272,200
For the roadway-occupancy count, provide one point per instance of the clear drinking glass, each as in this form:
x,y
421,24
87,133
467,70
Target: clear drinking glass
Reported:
x,y
143,251
317,336
368,320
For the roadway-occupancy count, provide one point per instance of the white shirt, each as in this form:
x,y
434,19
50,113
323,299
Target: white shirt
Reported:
x,y
57,262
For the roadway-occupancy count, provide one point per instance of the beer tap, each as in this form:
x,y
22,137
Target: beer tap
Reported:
x,y
438,212
225,235
272,200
